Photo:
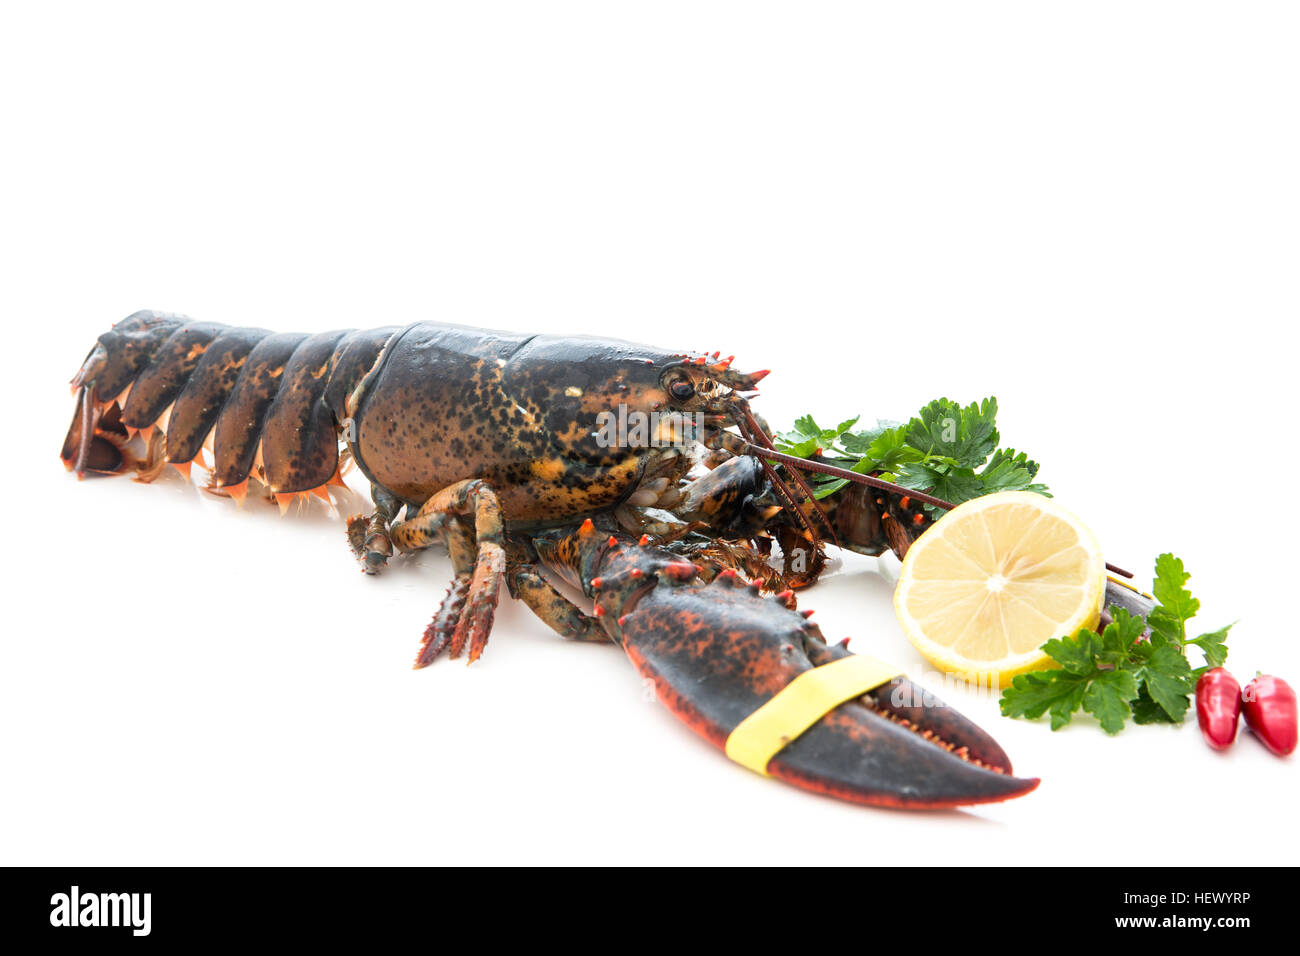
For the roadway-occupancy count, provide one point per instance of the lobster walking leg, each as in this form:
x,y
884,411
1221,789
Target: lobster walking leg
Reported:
x,y
369,537
553,609
469,497
459,538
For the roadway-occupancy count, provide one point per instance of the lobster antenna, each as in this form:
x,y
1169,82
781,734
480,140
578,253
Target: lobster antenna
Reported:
x,y
750,429
794,461
870,480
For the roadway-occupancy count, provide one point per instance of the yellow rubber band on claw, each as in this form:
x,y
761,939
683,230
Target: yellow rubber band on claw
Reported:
x,y
800,704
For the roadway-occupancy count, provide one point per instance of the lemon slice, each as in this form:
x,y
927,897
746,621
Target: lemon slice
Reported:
x,y
996,578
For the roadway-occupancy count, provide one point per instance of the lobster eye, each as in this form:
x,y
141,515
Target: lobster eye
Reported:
x,y
681,390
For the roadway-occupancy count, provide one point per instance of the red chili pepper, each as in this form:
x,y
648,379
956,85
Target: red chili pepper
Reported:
x,y
1268,704
1218,704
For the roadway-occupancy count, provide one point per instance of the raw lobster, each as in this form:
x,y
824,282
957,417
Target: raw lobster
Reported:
x,y
513,450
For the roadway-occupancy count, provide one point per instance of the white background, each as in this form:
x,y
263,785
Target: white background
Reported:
x,y
1088,210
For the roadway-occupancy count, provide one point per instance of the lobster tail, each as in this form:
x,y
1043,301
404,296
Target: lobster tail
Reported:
x,y
267,405
239,426
210,385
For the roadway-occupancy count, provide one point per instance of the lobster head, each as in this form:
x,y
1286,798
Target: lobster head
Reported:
x,y
707,384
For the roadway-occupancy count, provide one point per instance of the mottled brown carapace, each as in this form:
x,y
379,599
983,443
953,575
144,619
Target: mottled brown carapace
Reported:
x,y
522,412
610,465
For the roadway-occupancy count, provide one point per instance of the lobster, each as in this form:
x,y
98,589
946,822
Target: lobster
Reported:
x,y
611,466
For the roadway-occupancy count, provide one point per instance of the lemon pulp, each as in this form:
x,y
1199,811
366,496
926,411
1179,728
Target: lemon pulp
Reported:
x,y
996,578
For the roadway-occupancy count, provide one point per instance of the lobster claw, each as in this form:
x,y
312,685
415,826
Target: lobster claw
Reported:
x,y
718,653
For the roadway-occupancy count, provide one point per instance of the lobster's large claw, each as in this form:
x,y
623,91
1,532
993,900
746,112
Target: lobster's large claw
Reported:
x,y
717,653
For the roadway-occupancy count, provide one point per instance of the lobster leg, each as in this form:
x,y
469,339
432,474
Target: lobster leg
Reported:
x,y
554,609
459,538
369,536
736,502
465,498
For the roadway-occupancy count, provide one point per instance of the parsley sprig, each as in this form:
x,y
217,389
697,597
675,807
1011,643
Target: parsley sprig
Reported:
x,y
949,450
1117,674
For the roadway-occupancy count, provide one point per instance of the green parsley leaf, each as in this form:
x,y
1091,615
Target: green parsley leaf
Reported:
x,y
1004,477
1009,456
1119,637
807,438
966,435
804,429
1107,698
955,484
1038,692
1009,471
889,452
858,444
797,442
942,450
1125,671
1167,678
1214,646
1176,605
1078,654
1147,711
825,489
